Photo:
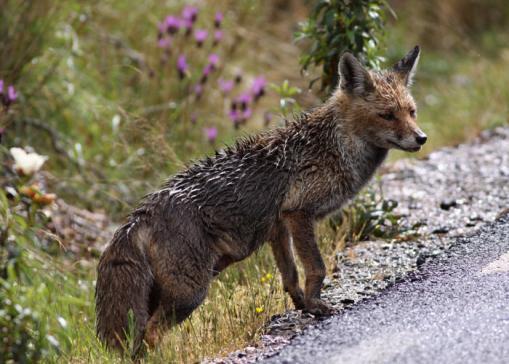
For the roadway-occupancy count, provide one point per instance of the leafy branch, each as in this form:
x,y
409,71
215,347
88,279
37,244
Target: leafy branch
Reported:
x,y
337,26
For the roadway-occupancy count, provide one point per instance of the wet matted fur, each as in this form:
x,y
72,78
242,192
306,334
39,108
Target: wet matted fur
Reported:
x,y
270,187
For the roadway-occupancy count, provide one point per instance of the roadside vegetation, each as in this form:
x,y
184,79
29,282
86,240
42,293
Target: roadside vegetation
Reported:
x,y
107,99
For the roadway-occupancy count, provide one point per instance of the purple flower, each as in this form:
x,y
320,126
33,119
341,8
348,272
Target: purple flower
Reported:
x,y
210,134
243,100
225,85
182,66
258,87
190,13
198,90
234,117
194,118
7,98
207,70
218,36
246,114
214,60
164,43
218,19
200,35
172,24
12,95
187,25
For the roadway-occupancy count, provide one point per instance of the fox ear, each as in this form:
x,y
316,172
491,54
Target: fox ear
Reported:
x,y
407,65
353,77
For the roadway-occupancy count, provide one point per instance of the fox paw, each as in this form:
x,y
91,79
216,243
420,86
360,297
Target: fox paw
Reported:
x,y
298,300
318,307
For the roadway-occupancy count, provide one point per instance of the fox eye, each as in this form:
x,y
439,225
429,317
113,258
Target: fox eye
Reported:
x,y
388,116
412,113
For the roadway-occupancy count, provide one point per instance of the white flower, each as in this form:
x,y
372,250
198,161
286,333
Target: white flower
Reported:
x,y
27,163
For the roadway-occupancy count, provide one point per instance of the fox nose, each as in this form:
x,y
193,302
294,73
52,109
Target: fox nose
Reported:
x,y
421,139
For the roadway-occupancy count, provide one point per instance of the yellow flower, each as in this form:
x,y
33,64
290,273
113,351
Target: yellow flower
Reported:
x,y
266,278
259,309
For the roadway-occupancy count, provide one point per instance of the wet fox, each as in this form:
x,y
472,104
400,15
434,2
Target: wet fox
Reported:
x,y
270,187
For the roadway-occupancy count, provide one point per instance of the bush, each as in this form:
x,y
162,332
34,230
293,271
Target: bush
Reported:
x,y
337,26
22,331
41,298
23,337
371,216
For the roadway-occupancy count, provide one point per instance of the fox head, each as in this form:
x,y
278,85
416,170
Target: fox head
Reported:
x,y
378,105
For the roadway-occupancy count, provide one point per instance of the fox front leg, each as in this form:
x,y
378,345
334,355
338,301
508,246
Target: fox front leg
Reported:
x,y
280,242
301,228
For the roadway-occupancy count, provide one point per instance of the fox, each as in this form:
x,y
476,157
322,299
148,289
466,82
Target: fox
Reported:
x,y
271,187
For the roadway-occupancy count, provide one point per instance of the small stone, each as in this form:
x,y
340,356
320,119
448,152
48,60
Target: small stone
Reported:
x,y
475,217
441,230
447,204
421,259
347,301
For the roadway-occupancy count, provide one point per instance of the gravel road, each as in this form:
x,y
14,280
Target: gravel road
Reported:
x,y
453,193
455,309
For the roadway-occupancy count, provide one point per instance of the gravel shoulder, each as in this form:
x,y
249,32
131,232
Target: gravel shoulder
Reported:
x,y
453,192
453,310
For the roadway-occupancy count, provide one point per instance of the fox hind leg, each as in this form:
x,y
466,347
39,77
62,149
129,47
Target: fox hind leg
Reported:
x,y
178,298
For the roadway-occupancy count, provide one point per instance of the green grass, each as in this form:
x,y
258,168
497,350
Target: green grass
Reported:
x,y
58,294
61,299
472,98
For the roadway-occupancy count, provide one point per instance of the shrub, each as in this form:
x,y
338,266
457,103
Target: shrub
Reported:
x,y
371,216
336,26
22,330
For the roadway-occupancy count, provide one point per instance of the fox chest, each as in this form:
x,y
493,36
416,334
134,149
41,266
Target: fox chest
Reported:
x,y
324,188
319,191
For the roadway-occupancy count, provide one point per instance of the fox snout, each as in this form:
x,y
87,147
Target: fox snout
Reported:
x,y
421,137
414,141
411,142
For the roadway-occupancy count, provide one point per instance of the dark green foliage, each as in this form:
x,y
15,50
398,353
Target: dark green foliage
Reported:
x,y
33,312
23,336
337,26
